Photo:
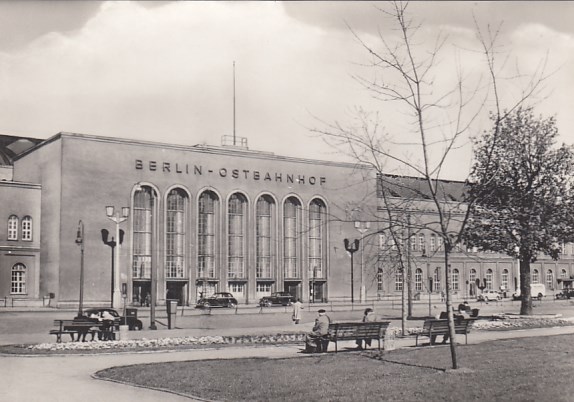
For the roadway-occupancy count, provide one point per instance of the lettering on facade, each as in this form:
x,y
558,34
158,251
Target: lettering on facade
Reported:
x,y
239,174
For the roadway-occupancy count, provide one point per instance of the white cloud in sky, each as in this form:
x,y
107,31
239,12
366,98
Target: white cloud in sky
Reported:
x,y
165,73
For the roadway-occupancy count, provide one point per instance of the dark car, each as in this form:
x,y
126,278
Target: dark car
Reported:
x,y
283,298
565,294
131,321
221,299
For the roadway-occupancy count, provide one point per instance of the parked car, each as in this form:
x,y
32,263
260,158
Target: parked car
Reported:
x,y
489,295
565,294
283,298
131,321
537,290
221,299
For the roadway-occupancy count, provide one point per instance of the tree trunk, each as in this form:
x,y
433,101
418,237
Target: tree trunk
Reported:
x,y
525,296
450,313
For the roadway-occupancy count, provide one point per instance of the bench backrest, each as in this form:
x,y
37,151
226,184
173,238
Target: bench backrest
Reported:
x,y
354,330
461,326
76,324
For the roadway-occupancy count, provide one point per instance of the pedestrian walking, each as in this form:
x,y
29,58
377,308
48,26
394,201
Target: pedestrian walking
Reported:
x,y
297,307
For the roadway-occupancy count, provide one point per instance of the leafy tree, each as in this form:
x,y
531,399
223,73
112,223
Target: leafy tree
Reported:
x,y
521,184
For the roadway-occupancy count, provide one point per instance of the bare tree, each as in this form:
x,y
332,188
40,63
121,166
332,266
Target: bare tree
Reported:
x,y
438,119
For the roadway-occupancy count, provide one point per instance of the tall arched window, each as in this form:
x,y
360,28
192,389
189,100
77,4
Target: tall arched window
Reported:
x,y
472,275
13,227
489,279
316,239
175,234
437,276
455,280
143,232
550,279
291,238
27,228
535,276
504,282
18,281
207,234
563,273
236,218
418,280
263,237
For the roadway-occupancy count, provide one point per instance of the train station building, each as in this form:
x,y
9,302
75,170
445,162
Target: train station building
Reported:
x,y
194,220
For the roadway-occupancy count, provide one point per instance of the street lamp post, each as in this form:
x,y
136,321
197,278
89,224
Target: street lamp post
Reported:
x,y
80,242
117,217
352,247
362,227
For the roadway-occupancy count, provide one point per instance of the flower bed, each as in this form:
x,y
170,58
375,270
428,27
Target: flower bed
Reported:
x,y
284,338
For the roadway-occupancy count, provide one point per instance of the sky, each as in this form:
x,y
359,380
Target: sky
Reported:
x,y
163,71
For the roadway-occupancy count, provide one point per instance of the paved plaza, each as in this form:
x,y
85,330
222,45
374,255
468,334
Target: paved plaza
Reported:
x,y
69,377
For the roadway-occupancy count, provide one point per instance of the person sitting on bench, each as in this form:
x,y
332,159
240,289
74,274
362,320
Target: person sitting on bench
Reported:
x,y
368,316
320,329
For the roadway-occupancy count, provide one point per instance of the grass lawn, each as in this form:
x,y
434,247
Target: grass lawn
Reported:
x,y
526,369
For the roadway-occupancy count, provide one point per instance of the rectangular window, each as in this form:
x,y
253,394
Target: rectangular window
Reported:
x,y
433,243
399,281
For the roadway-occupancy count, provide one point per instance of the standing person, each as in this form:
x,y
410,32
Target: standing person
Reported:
x,y
107,326
320,329
297,306
368,316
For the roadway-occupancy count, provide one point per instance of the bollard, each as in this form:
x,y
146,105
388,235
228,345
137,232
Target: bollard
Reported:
x,y
124,332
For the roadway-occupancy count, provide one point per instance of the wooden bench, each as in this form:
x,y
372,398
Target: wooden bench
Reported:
x,y
433,327
80,328
345,331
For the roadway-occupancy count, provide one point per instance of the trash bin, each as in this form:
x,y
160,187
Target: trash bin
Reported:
x,y
131,318
171,305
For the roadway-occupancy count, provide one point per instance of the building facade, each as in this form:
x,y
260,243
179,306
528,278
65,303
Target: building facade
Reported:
x,y
201,219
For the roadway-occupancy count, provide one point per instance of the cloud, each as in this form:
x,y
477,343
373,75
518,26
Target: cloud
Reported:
x,y
163,72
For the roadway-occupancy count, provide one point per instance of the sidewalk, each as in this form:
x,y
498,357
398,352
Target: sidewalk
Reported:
x,y
69,377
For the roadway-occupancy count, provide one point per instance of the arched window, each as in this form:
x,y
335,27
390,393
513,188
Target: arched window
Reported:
x,y
291,238
550,279
535,276
175,233
422,242
418,280
472,275
264,237
433,243
144,201
13,227
316,239
455,280
380,280
18,282
504,282
236,235
207,234
489,279
436,279
27,228
563,273
398,281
